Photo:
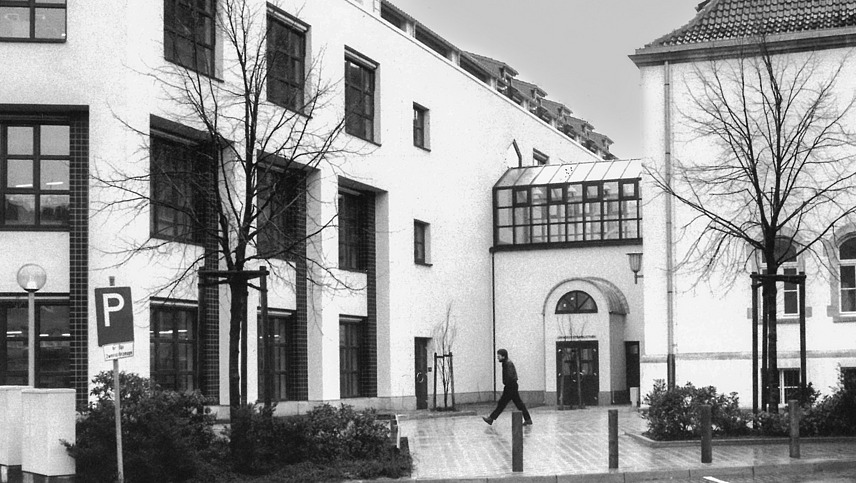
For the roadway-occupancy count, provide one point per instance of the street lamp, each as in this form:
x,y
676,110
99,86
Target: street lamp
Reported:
x,y
32,278
635,259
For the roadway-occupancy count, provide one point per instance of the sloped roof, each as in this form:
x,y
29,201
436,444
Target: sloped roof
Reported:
x,y
527,88
735,19
492,65
571,173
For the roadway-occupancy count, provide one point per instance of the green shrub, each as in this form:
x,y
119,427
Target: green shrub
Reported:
x,y
674,414
164,433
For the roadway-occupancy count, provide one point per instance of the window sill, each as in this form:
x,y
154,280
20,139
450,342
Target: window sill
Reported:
x,y
195,71
423,148
353,270
288,108
17,40
423,264
370,141
176,240
843,319
30,228
560,245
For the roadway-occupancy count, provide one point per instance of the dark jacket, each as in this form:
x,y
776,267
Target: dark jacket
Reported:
x,y
509,373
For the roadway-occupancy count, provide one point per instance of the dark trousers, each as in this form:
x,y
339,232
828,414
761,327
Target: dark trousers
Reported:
x,y
509,393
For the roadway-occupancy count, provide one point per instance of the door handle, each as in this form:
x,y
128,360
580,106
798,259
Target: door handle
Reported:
x,y
420,378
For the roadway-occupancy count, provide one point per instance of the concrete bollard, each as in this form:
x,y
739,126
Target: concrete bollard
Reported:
x,y
613,439
49,416
794,412
10,436
517,441
706,434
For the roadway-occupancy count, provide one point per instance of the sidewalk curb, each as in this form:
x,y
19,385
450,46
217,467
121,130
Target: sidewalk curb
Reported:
x,y
617,476
644,440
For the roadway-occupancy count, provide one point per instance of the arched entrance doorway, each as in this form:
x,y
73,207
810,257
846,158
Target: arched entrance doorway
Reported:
x,y
576,360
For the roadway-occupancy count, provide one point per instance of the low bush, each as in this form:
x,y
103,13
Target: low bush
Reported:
x,y
674,414
165,434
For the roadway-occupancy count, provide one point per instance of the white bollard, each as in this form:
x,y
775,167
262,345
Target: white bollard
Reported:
x,y
49,416
10,436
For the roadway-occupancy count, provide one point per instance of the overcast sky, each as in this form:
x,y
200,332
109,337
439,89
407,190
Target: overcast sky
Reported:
x,y
576,50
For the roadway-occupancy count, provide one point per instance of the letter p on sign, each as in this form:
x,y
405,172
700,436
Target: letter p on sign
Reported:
x,y
114,314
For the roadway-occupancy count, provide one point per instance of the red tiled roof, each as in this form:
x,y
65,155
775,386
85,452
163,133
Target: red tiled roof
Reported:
x,y
734,19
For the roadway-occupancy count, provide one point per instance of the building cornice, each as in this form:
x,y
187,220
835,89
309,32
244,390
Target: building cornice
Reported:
x,y
776,44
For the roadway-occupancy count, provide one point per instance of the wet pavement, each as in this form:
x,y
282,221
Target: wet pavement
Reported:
x,y
572,445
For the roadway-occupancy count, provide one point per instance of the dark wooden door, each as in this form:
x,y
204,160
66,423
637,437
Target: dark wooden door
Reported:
x,y
631,352
420,357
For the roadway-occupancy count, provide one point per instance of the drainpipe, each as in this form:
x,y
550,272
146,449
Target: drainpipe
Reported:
x,y
670,255
493,314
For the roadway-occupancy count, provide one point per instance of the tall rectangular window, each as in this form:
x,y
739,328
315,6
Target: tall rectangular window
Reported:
x,y
172,341
189,34
350,354
790,384
421,232
847,275
34,182
420,124
279,324
790,294
29,20
281,222
352,231
359,98
177,178
53,354
286,62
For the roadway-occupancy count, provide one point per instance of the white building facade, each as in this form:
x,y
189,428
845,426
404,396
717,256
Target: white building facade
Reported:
x,y
421,225
704,320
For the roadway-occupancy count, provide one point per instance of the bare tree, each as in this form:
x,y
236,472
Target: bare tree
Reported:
x,y
444,334
784,176
257,169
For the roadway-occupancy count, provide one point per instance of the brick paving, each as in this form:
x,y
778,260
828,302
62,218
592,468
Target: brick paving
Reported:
x,y
574,443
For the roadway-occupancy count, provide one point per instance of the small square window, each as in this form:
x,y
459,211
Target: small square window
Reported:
x,y
39,20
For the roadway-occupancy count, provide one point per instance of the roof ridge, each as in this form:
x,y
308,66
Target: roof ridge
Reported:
x,y
687,26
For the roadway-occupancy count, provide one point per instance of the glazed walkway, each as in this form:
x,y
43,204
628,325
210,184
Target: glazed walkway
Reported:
x,y
571,446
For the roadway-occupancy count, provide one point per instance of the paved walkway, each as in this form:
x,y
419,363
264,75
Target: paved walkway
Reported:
x,y
573,446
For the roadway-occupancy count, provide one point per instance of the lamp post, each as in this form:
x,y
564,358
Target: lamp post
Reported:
x,y
32,278
635,259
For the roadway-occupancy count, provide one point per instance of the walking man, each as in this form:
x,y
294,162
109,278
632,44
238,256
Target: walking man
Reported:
x,y
509,392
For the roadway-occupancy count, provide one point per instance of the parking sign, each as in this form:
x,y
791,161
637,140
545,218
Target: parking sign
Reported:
x,y
114,315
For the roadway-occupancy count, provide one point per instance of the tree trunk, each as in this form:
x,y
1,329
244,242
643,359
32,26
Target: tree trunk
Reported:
x,y
769,296
237,316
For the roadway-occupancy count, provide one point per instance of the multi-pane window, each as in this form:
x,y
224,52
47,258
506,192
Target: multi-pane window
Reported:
x,y
359,99
34,159
28,20
576,302
172,341
420,242
790,385
53,355
189,34
847,275
420,123
539,158
788,295
352,231
279,325
572,212
177,186
281,221
350,345
286,63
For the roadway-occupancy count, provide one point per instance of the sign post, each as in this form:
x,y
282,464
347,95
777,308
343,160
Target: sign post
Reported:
x,y
115,317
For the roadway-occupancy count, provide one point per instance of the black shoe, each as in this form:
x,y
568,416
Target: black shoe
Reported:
x,y
488,420
527,423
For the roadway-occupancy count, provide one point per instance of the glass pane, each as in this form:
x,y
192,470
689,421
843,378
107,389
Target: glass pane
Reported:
x,y
15,22
20,209
521,197
848,276
20,139
503,216
575,231
54,210
628,190
593,231
55,140
521,234
557,213
182,325
557,233
539,214
50,23
503,197
592,210
19,173
505,236
848,249
521,216
557,194
185,357
610,230
165,358
611,209
629,209
539,195
575,192
591,192
54,174
539,233
791,303
53,321
629,229
575,212
610,190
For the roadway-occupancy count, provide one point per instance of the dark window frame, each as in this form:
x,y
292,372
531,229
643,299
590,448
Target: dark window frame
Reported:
x,y
180,377
181,183
290,57
200,48
847,275
360,98
281,352
539,158
576,302
351,231
351,366
33,6
23,376
36,191
280,207
420,242
420,126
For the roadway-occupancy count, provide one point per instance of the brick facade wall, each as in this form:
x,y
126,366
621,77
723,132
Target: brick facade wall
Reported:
x,y
79,255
